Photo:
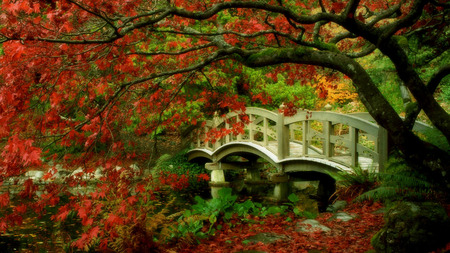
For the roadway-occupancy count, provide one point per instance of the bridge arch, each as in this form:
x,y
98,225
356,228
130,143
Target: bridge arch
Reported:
x,y
244,149
311,169
307,142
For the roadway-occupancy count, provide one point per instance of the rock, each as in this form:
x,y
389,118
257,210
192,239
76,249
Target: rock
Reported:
x,y
343,216
266,238
63,173
311,225
135,168
336,206
328,107
413,227
34,174
78,172
98,173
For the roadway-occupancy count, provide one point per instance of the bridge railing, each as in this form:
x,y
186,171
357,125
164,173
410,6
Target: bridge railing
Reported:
x,y
256,125
338,137
341,138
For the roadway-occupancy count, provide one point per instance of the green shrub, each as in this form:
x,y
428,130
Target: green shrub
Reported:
x,y
302,96
400,182
223,208
355,183
179,165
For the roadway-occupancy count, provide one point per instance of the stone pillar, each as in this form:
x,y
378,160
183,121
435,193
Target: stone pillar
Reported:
x,y
281,189
217,178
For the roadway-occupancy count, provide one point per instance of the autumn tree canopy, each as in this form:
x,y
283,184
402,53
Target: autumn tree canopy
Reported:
x,y
76,73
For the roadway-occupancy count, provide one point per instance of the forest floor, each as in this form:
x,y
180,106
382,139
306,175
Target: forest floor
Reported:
x,y
287,233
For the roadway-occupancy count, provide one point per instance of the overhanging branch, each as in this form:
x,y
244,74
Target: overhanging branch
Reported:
x,y
434,82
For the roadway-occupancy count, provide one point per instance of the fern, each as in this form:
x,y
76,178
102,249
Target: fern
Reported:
x,y
401,185
400,182
397,183
352,184
152,227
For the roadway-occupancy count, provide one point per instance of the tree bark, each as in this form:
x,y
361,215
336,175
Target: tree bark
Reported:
x,y
429,159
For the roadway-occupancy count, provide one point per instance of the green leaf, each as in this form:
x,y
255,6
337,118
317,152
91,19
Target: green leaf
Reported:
x,y
293,198
245,242
212,218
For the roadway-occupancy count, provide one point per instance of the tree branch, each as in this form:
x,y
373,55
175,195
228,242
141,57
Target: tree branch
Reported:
x,y
412,113
366,51
379,17
351,8
408,20
116,31
191,49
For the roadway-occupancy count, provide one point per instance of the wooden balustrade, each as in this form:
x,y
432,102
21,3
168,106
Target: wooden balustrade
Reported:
x,y
341,138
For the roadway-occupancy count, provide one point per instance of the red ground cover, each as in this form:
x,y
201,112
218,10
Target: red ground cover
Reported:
x,y
345,236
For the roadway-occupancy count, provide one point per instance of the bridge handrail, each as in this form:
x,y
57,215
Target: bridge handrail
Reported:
x,y
279,130
336,118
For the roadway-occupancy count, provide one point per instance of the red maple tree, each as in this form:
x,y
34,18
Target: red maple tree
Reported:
x,y
76,74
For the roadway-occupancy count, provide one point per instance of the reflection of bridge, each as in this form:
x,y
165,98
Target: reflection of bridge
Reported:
x,y
314,142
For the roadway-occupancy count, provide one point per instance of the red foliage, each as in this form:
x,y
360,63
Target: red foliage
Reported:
x,y
345,236
175,181
80,75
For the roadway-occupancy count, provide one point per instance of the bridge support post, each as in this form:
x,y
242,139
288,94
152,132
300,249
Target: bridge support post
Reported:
x,y
327,187
217,178
253,174
281,189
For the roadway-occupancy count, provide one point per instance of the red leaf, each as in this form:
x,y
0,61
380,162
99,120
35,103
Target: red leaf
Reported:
x,y
337,6
4,199
20,208
94,232
3,226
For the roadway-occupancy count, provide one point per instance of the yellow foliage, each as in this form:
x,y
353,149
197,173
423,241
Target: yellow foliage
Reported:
x,y
342,93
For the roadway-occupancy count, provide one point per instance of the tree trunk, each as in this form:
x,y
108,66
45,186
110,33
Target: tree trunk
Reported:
x,y
429,159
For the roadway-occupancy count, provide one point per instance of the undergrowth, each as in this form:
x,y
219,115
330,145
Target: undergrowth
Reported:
x,y
398,182
202,219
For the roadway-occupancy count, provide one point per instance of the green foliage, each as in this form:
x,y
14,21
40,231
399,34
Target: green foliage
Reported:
x,y
217,206
294,199
192,221
400,182
383,72
436,138
178,164
445,90
302,96
391,91
224,207
354,183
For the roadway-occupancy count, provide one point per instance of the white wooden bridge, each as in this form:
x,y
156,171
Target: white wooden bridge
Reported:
x,y
309,141
338,140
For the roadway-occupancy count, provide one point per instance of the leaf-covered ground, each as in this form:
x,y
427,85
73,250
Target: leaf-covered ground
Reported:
x,y
345,236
